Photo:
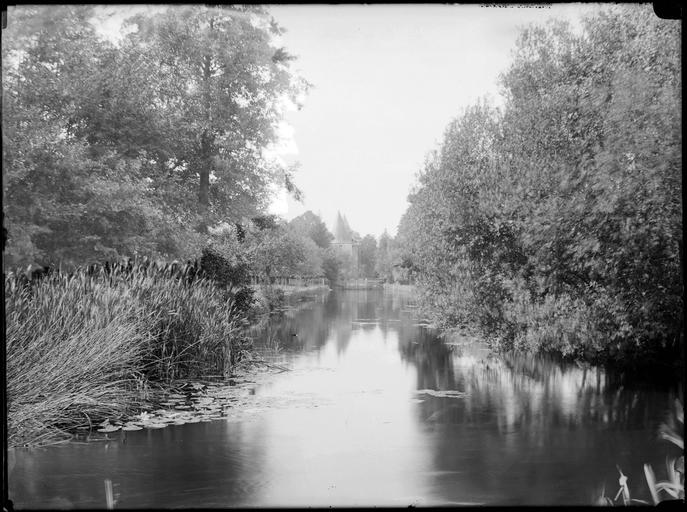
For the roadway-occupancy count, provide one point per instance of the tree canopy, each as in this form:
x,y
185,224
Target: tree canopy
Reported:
x,y
136,147
312,226
555,222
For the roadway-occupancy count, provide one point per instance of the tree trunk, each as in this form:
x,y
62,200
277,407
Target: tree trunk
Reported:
x,y
204,186
205,161
204,169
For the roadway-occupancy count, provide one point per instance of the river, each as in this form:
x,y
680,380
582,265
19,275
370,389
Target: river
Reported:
x,y
375,410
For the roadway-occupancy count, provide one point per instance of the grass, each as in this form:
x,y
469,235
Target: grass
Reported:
x,y
81,348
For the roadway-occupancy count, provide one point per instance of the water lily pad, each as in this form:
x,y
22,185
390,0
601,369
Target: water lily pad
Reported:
x,y
446,393
111,428
183,407
154,425
131,427
144,416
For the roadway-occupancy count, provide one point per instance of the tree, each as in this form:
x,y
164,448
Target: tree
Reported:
x,y
384,262
225,87
331,265
312,226
123,149
368,255
555,222
280,252
65,202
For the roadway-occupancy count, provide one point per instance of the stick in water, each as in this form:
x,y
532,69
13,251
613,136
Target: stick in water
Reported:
x,y
109,496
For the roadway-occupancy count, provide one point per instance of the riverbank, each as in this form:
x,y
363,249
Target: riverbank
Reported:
x,y
89,349
83,348
272,298
295,291
396,287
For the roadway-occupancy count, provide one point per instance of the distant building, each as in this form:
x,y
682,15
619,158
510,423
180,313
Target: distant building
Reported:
x,y
347,242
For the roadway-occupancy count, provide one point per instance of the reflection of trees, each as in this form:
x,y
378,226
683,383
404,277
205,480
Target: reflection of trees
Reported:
x,y
329,314
524,391
536,392
304,328
431,357
527,392
527,421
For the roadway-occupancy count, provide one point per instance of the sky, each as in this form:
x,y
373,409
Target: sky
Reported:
x,y
387,80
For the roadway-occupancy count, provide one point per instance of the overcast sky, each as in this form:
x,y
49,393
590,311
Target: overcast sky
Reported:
x,y
387,81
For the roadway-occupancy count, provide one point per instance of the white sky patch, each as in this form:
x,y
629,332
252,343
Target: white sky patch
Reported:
x,y
287,142
387,80
280,203
109,19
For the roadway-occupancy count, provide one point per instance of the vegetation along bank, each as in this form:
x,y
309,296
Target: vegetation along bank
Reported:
x,y
554,222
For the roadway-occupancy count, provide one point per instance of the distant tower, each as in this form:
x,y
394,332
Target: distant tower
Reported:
x,y
345,242
342,232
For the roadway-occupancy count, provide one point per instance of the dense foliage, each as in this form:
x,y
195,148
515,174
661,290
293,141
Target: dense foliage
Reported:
x,y
312,226
555,223
137,147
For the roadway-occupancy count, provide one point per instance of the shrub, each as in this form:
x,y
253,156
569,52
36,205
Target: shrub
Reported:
x,y
232,276
274,297
225,273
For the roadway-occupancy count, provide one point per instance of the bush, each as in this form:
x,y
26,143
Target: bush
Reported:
x,y
233,277
225,274
274,297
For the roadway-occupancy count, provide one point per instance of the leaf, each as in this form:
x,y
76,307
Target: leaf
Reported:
x,y
651,482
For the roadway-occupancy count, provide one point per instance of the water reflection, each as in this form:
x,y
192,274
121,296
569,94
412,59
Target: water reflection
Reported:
x,y
347,426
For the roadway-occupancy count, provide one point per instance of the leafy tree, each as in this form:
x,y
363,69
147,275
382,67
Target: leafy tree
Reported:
x,y
63,201
555,222
225,87
123,149
334,264
368,255
279,251
384,257
310,225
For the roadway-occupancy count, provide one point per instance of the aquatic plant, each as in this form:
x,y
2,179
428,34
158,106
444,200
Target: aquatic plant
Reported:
x,y
83,347
674,486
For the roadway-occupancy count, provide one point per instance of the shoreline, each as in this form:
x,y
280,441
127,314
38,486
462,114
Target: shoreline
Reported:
x,y
178,402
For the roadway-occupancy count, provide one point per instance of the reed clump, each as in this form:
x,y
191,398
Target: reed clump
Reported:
x,y
82,347
673,487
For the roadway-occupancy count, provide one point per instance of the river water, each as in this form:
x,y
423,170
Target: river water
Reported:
x,y
375,410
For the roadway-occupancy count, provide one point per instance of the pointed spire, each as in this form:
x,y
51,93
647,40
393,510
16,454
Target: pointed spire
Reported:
x,y
342,231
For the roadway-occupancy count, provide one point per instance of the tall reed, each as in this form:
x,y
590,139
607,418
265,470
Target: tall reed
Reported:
x,y
80,346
